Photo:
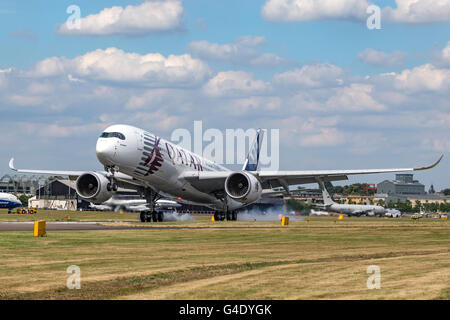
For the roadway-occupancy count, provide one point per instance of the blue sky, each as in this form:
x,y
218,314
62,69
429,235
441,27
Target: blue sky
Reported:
x,y
343,96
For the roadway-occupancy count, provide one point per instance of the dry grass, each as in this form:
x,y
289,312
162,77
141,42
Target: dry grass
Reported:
x,y
205,260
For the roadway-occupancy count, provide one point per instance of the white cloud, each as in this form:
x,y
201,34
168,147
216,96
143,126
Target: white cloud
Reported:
x,y
406,11
148,17
59,131
356,97
234,84
382,59
152,97
417,11
442,58
248,105
439,144
422,78
307,10
311,76
326,137
241,52
157,121
115,65
26,100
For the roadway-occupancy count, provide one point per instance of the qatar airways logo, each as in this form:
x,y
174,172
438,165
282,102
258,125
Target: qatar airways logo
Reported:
x,y
155,159
229,146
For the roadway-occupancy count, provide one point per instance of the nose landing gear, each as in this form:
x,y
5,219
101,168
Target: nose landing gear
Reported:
x,y
112,185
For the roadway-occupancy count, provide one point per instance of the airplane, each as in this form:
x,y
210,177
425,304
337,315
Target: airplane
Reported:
x,y
136,159
134,205
318,213
353,209
9,201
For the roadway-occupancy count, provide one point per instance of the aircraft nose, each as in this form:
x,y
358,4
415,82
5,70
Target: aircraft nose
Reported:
x,y
105,151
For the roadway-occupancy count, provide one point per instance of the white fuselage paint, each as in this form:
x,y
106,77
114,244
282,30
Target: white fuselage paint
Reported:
x,y
136,156
356,209
9,201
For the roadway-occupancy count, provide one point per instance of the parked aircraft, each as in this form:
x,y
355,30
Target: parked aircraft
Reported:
x,y
318,213
136,159
9,201
133,205
353,209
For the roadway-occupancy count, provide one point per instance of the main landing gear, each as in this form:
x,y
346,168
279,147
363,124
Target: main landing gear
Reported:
x,y
222,215
148,216
151,214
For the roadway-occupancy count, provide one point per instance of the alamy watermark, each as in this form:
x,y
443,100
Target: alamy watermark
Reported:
x,y
74,281
374,280
74,20
374,20
229,147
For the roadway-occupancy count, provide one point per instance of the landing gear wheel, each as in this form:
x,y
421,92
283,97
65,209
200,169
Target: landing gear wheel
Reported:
x,y
233,215
154,217
160,217
229,217
216,216
114,187
142,216
108,187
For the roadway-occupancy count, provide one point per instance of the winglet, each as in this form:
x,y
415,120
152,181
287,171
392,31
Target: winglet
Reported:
x,y
429,167
11,164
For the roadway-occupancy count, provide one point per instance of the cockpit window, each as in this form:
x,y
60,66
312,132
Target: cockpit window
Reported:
x,y
112,135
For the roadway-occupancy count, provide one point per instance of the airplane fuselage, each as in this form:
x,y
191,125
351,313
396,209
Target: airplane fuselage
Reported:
x,y
356,209
9,201
156,162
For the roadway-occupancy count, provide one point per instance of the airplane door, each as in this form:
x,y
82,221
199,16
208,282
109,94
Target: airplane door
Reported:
x,y
139,141
116,147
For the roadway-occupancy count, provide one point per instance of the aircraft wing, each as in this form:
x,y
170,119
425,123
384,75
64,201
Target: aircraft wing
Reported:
x,y
273,179
124,180
52,172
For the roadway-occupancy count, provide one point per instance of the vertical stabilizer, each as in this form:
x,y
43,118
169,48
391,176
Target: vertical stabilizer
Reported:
x,y
252,161
326,196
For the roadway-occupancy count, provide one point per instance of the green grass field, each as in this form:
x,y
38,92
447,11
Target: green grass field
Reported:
x,y
315,259
61,215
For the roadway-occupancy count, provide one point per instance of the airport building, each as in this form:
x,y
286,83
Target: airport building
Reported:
x,y
404,184
405,188
57,195
21,184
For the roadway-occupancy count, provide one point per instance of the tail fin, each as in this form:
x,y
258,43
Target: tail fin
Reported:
x,y
326,196
252,161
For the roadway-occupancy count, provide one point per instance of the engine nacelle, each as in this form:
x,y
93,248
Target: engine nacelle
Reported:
x,y
243,187
91,187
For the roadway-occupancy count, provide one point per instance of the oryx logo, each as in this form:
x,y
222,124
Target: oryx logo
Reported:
x,y
154,159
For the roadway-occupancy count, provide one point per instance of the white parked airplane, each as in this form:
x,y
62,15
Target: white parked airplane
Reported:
x,y
354,209
135,158
135,205
9,201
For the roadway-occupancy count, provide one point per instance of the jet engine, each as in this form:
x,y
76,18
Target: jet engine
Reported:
x,y
91,187
243,187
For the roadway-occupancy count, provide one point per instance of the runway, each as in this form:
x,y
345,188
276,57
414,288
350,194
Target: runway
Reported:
x,y
102,225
